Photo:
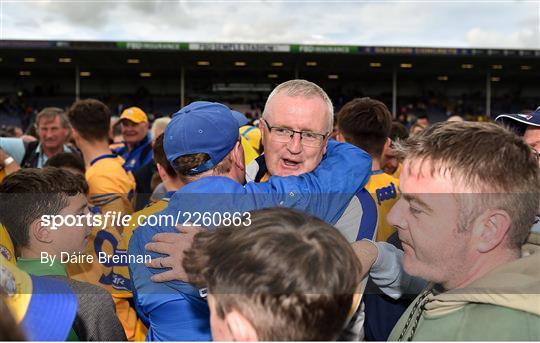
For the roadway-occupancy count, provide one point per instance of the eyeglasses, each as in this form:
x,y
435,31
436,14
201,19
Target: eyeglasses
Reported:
x,y
284,135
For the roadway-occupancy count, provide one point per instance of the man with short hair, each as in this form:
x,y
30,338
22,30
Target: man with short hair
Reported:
x,y
110,191
463,218
296,116
366,123
255,293
53,131
137,149
295,125
202,144
30,198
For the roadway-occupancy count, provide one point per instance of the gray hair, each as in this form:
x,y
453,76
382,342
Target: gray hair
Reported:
x,y
51,113
306,89
160,123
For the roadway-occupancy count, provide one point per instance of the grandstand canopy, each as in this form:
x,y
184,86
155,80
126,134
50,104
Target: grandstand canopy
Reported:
x,y
167,75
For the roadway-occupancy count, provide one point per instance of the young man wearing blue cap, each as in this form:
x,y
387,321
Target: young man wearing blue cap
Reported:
x,y
202,144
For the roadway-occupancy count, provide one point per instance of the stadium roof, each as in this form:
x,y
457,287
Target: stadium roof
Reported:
x,y
256,47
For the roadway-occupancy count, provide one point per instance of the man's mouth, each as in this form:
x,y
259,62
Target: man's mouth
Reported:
x,y
290,163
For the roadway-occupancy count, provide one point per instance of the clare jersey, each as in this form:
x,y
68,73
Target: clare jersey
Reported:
x,y
384,191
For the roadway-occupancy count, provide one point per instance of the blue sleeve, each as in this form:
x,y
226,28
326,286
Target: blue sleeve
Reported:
x,y
14,147
327,190
170,314
388,274
175,319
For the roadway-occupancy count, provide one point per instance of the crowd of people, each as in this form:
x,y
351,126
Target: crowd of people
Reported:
x,y
301,225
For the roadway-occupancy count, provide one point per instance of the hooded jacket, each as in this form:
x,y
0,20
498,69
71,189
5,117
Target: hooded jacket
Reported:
x,y
502,305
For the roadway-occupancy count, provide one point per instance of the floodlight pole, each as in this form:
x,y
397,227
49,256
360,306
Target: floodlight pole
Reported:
x,y
77,83
182,86
488,94
394,93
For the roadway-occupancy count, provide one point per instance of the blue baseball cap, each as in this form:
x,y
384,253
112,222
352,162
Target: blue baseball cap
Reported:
x,y
520,121
201,127
240,118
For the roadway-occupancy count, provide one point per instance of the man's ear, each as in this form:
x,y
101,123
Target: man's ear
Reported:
x,y
261,128
387,144
75,134
40,232
340,137
241,329
490,230
238,156
162,173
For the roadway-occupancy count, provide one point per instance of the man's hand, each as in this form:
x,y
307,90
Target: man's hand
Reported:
x,y
367,253
11,166
174,245
28,138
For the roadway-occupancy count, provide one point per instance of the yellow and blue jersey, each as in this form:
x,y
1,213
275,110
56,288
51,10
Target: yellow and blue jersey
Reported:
x,y
111,189
383,188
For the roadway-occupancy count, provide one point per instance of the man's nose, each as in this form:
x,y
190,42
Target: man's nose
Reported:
x,y
395,216
295,143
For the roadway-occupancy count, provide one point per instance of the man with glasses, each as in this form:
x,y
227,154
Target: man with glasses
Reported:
x,y
297,118
296,122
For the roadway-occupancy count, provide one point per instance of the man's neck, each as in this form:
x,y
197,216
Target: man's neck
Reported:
x,y
481,266
93,150
50,152
132,146
31,252
173,184
375,164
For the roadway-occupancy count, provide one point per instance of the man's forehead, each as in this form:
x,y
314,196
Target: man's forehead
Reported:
x,y
307,112
128,122
532,135
420,176
49,121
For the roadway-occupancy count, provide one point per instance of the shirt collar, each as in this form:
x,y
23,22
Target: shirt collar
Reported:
x,y
35,267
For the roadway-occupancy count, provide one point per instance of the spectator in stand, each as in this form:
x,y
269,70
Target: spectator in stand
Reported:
x,y
255,293
137,149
